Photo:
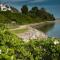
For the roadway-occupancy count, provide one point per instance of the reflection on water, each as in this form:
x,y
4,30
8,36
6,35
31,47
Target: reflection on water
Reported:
x,y
55,32
51,29
46,27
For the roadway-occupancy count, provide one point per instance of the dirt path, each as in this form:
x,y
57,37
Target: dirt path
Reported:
x,y
30,25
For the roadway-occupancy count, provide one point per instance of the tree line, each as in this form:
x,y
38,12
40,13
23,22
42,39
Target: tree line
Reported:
x,y
35,12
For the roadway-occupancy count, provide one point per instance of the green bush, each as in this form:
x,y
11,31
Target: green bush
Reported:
x,y
13,48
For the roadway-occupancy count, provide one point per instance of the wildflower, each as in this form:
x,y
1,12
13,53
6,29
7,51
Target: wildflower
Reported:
x,y
56,42
0,51
44,49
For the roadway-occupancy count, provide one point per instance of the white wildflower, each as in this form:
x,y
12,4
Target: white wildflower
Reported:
x,y
56,42
26,40
44,49
0,51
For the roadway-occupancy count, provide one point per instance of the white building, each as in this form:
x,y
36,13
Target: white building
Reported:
x,y
4,7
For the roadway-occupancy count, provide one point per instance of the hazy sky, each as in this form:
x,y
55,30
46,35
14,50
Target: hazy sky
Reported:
x,y
52,6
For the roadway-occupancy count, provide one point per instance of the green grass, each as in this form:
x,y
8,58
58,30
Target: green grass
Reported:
x,y
19,31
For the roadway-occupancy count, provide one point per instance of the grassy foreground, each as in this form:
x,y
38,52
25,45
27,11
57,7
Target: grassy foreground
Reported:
x,y
13,48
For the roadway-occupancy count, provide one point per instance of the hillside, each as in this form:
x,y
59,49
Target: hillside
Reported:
x,y
25,17
8,17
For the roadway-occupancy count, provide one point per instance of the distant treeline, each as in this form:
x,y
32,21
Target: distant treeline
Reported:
x,y
26,16
35,12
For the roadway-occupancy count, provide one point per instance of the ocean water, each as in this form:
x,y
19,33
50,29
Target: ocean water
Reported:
x,y
51,29
55,31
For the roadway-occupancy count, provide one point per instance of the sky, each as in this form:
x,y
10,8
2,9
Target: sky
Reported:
x,y
53,6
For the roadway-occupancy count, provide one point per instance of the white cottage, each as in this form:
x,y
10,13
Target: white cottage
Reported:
x,y
3,7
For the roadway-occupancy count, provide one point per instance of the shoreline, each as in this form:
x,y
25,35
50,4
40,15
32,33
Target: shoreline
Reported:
x,y
32,32
31,25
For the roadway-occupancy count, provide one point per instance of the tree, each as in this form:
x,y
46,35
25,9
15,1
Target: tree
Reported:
x,y
24,9
34,11
42,13
43,9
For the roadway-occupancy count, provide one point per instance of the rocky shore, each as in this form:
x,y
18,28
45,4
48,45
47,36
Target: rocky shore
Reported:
x,y
32,34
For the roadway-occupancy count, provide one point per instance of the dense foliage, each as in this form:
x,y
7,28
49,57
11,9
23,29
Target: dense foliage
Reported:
x,y
35,12
24,9
13,48
41,13
26,16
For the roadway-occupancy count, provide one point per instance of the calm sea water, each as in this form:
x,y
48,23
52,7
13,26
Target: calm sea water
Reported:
x,y
51,29
55,30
